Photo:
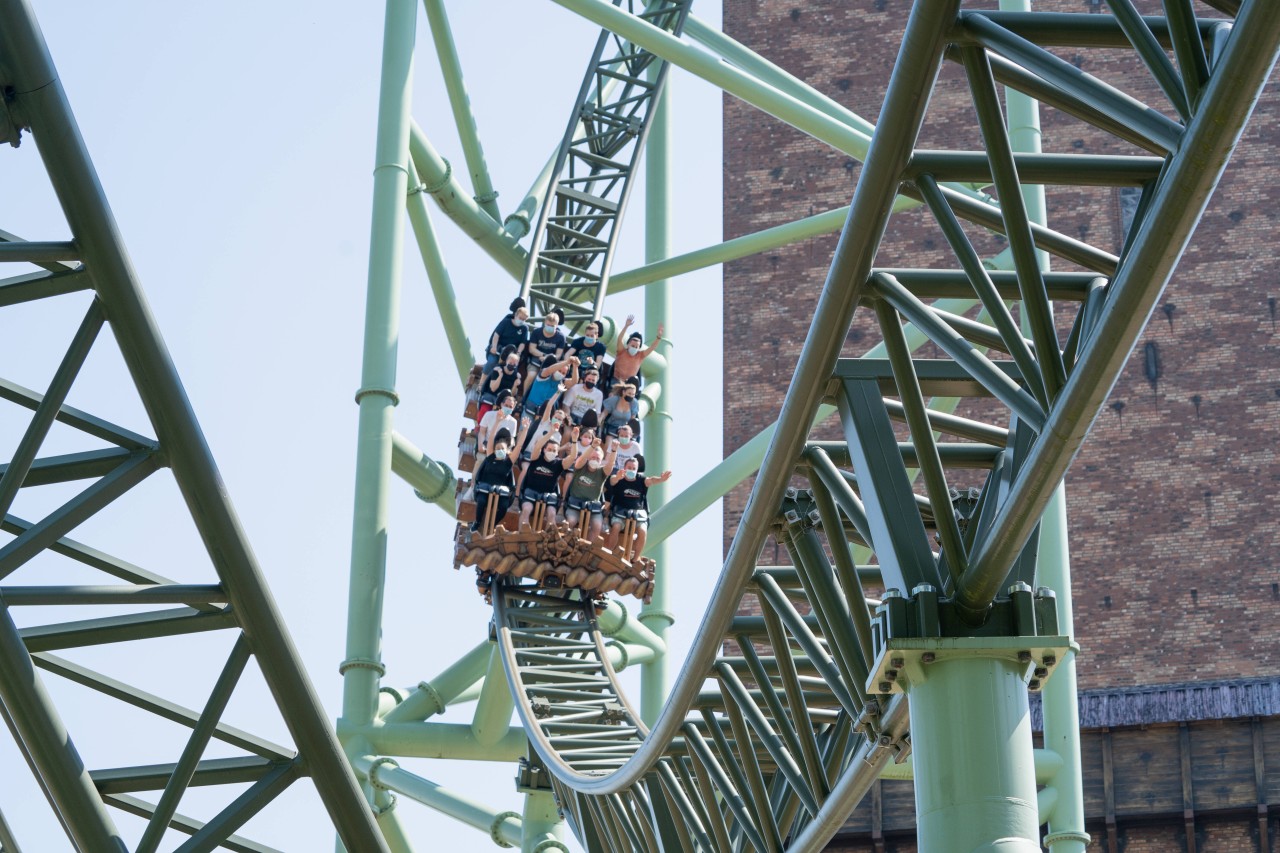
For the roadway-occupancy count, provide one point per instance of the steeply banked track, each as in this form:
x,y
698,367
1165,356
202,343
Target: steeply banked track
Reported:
x,y
577,226
780,722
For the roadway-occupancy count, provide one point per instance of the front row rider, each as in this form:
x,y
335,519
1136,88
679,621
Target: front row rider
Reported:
x,y
630,493
586,484
494,480
540,479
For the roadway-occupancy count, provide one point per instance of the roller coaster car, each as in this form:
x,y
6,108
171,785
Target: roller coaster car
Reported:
x,y
553,556
473,391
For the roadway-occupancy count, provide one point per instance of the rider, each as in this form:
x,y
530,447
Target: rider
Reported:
x,y
585,485
494,472
540,479
630,492
511,331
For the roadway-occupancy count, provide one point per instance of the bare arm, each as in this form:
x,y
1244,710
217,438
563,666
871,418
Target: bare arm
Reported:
x,y
662,478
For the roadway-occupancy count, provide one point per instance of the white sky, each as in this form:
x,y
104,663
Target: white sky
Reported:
x,y
235,144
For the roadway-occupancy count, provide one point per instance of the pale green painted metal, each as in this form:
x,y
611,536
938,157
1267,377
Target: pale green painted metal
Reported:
x,y
463,118
1060,705
439,182
432,697
441,283
433,481
492,720
655,676
974,768
377,396
386,774
1059,702
542,830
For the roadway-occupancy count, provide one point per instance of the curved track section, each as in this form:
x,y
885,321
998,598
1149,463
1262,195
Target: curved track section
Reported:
x,y
577,225
781,720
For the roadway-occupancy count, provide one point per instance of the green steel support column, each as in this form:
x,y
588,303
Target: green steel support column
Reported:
x,y
974,767
384,809
1053,563
441,283
543,830
451,68
377,396
655,675
1066,831
492,720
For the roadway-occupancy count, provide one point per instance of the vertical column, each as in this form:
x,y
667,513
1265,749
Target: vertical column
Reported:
x,y
655,675
377,398
974,765
1066,832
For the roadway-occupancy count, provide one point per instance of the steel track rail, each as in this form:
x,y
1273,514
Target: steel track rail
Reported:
x,y
769,744
576,229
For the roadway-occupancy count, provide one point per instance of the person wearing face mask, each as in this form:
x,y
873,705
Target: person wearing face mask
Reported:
x,y
583,397
493,477
552,378
511,331
540,480
620,408
628,446
504,378
630,353
548,340
582,494
495,421
552,421
630,496
588,346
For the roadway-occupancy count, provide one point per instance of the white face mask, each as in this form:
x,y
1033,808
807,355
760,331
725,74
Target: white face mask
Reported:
x,y
634,349
500,454
518,322
558,375
593,464
549,455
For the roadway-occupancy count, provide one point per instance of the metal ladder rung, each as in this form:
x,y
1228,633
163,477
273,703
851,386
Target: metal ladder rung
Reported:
x,y
598,160
585,198
570,234
587,277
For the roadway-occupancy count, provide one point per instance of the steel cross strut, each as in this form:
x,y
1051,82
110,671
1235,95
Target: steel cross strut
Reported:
x,y
771,744
95,259
577,225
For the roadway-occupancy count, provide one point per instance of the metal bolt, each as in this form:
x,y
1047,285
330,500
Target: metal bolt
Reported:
x,y
923,587
1024,656
790,493
891,593
1041,672
928,657
885,687
891,674
1035,684
898,663
1020,586
1050,660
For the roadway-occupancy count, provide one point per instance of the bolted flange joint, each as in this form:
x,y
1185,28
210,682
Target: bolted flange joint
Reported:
x,y
495,828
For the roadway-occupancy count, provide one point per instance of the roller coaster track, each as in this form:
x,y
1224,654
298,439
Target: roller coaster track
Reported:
x,y
767,743
577,225
796,692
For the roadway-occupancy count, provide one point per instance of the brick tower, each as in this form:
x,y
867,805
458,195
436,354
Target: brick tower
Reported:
x,y
1174,503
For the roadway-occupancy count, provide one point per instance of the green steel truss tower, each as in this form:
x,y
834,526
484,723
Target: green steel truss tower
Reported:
x,y
800,688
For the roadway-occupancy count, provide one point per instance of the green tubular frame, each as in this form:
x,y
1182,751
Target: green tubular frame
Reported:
x,y
771,742
238,601
728,777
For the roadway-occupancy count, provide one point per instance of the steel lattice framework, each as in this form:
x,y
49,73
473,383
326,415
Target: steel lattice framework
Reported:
x,y
778,722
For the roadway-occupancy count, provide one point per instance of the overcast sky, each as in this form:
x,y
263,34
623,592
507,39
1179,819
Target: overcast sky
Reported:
x,y
235,144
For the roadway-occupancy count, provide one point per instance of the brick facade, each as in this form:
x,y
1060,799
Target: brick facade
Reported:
x,y
1173,507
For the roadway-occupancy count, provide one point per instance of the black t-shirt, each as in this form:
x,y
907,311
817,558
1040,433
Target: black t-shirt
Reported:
x,y
542,346
542,476
506,382
597,350
509,334
630,494
495,472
